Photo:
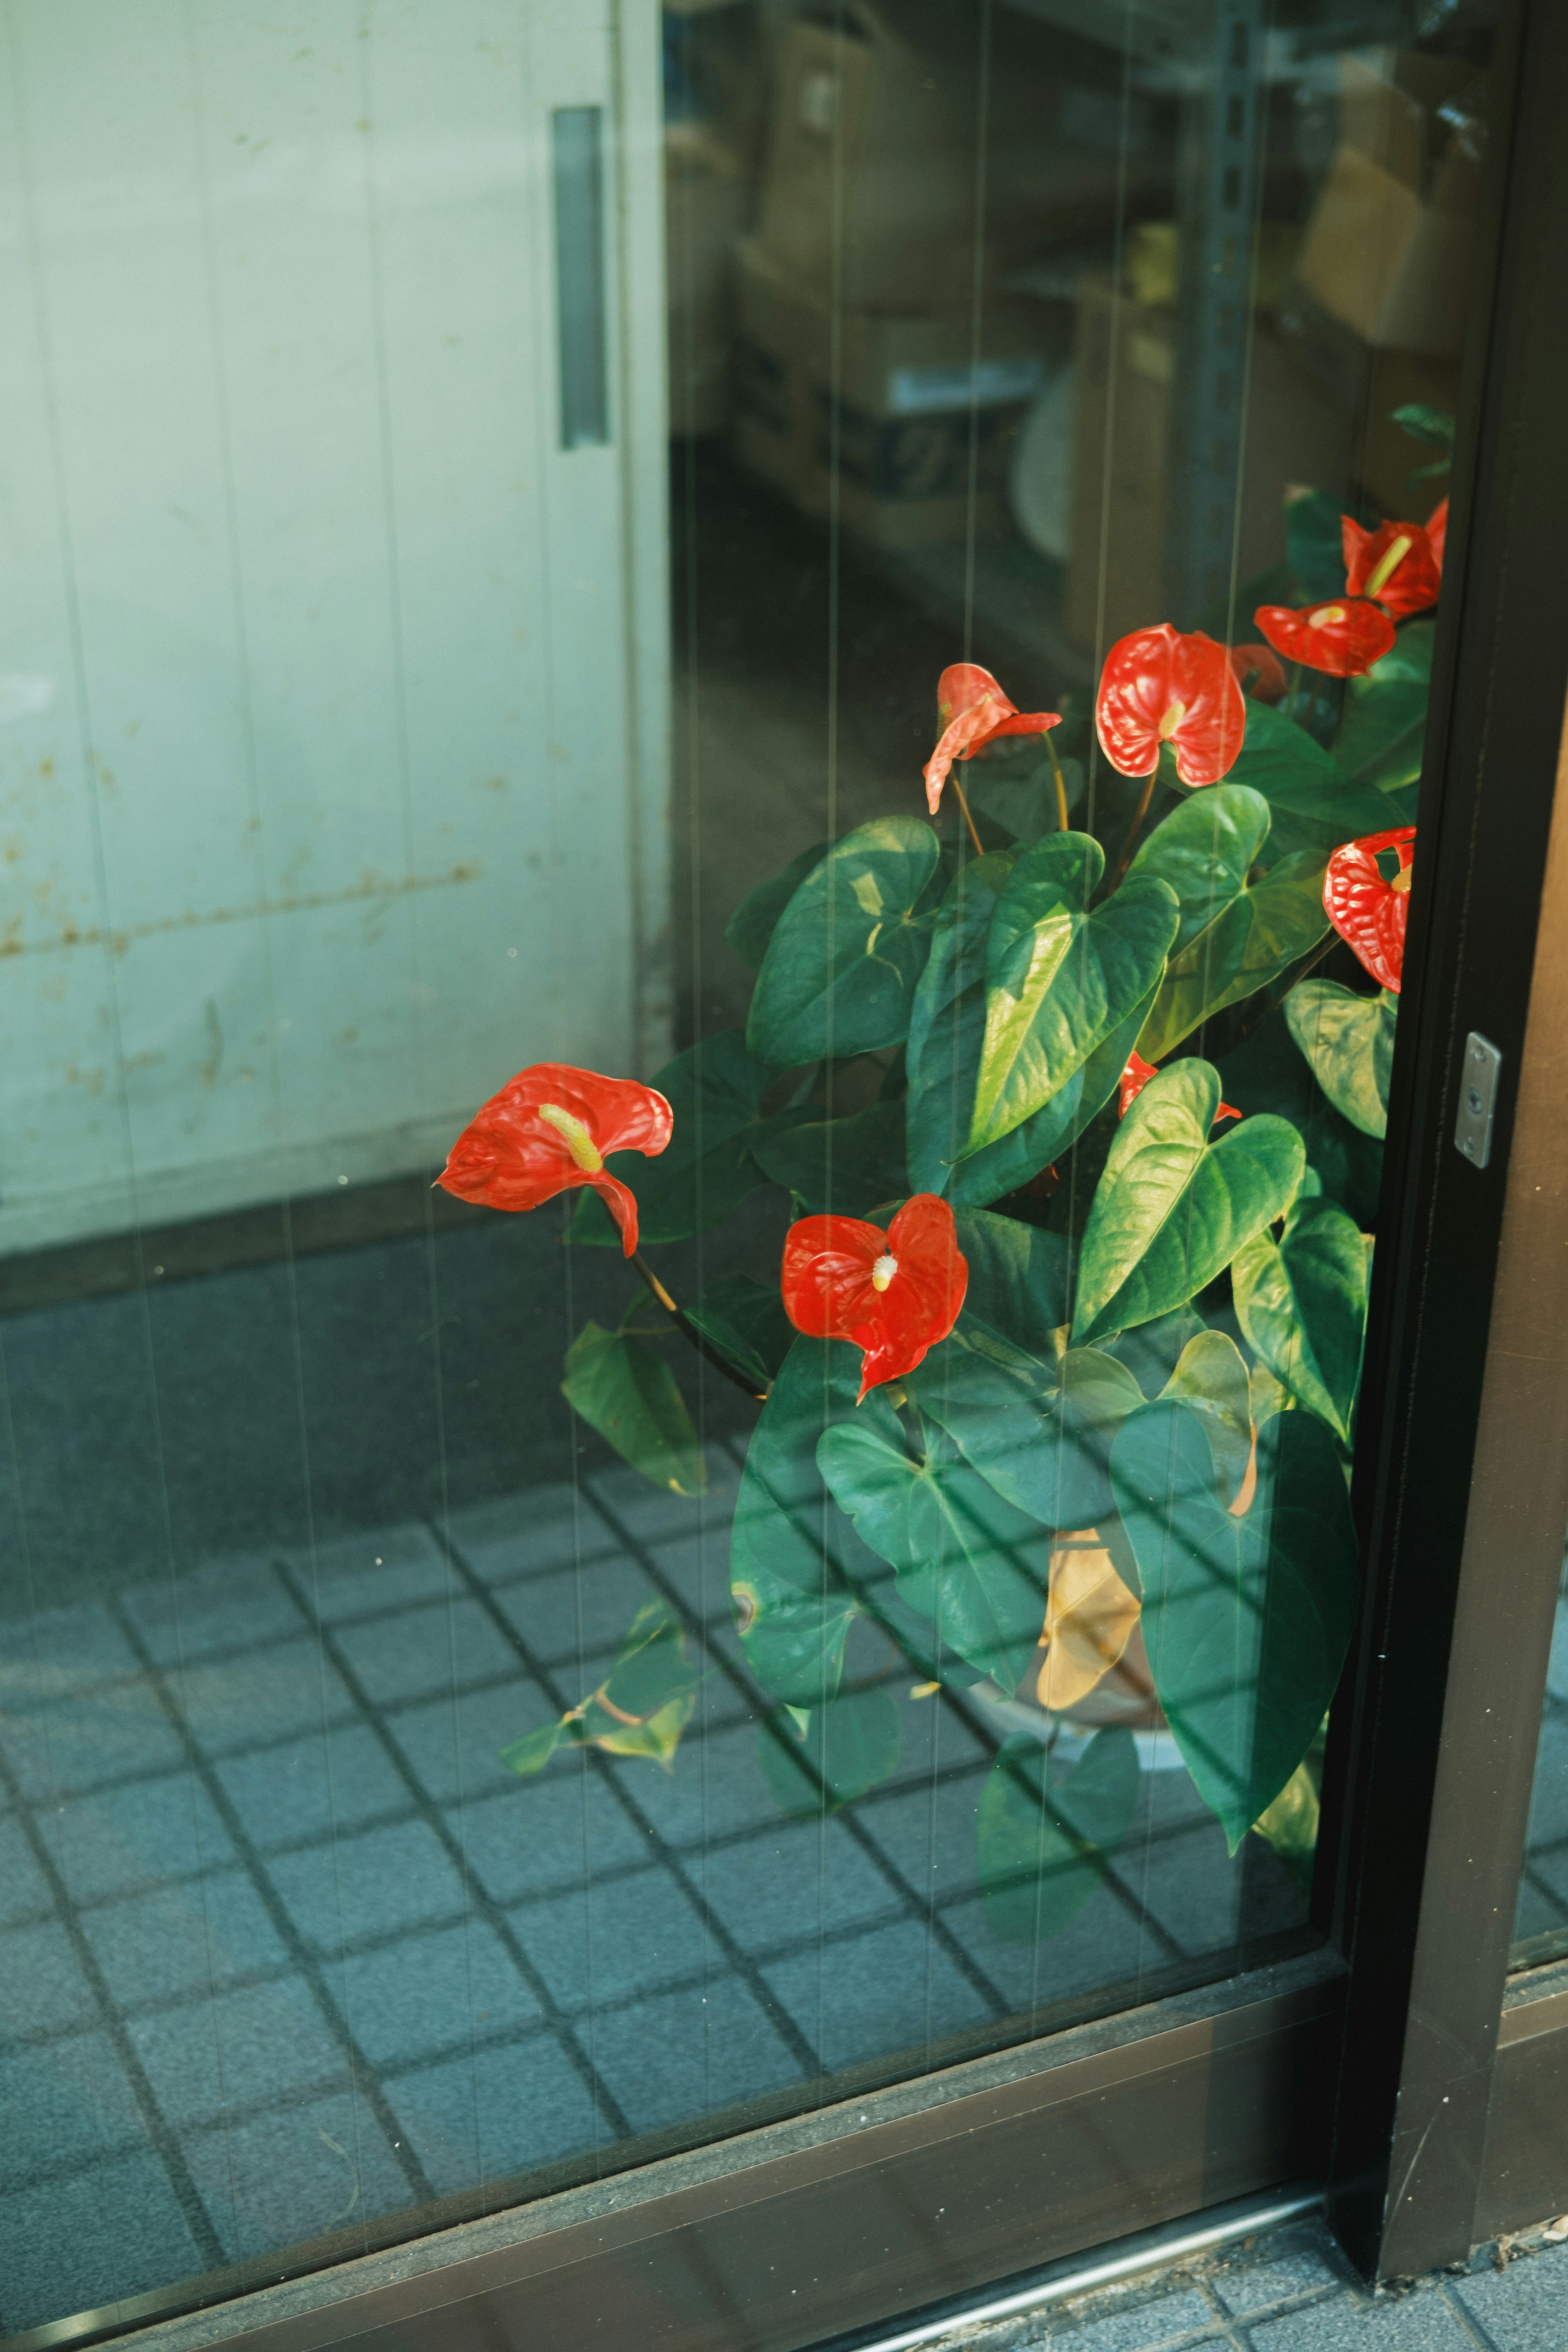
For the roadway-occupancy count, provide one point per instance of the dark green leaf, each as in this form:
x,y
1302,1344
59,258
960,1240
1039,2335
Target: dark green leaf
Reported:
x,y
1245,1621
841,970
1204,850
1024,803
1152,1351
755,919
622,1388
1301,1302
715,1090
1059,980
963,1558
842,1749
793,1557
1172,1209
1315,538
640,1708
1211,1376
1348,1041
1019,1277
1425,423
1044,1836
1280,760
848,1164
1260,934
946,1030
1385,723
746,1322
1268,1072
1038,1429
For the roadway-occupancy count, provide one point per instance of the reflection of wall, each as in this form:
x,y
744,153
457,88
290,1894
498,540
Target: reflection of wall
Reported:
x,y
326,755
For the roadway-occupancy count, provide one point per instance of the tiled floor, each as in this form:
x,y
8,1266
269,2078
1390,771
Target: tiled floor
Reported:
x,y
1291,2291
285,1950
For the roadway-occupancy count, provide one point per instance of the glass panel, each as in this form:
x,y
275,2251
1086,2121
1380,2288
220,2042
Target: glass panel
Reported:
x,y
1540,1915
455,1737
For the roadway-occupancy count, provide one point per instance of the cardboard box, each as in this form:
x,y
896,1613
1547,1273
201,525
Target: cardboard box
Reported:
x,y
1389,245
707,202
1124,360
888,400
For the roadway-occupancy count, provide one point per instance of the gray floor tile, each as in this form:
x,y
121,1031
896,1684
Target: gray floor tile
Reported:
x,y
75,2244
282,2178
45,1988
551,1526
380,1569
1137,2319
697,1566
1297,2261
586,1612
708,1791
70,1744
684,2056
651,1516
538,1836
423,1651
1421,2322
435,1993
185,1618
209,2059
327,1781
1523,2308
268,1693
119,1839
874,1996
24,1889
52,1651
792,1880
454,1744
179,1939
928,1832
501,2114
629,1934
367,1884
64,2105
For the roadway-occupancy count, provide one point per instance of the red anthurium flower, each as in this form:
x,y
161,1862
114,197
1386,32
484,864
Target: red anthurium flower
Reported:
x,y
551,1128
1258,673
1136,1077
975,713
1438,530
1367,911
1158,688
1396,566
894,1294
1343,636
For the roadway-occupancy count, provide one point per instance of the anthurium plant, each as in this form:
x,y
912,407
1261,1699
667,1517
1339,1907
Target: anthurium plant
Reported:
x,y
1057,1374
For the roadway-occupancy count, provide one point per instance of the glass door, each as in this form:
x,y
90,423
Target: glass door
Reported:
x,y
704,933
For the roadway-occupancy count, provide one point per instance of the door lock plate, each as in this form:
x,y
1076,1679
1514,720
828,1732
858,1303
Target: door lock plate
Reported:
x,y
1479,1074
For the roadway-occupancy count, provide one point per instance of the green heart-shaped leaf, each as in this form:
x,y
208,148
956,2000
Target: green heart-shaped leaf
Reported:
x,y
839,973
1245,1621
640,1708
1038,1431
1258,935
1172,1209
1204,850
946,1030
969,1563
1020,1277
835,1756
626,1389
707,1169
1045,1835
1059,981
847,1164
1301,1303
1348,1041
1281,760
746,1322
756,919
1384,722
1212,1378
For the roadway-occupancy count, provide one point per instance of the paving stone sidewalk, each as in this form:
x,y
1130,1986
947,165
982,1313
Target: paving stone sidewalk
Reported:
x,y
1291,2290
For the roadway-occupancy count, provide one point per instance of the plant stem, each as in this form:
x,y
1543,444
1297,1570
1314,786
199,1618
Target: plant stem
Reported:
x,y
1139,814
684,1323
1061,788
968,820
